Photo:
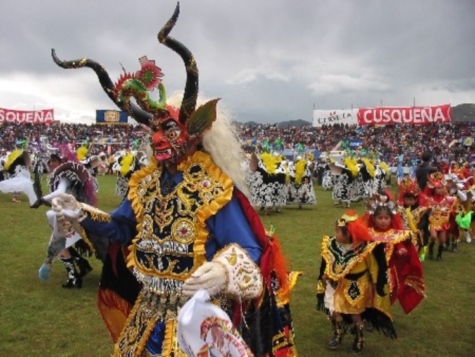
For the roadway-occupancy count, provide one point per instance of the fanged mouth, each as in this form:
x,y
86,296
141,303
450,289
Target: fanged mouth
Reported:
x,y
163,152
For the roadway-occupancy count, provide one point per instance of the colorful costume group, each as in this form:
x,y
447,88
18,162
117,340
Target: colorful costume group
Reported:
x,y
300,188
275,181
442,213
354,179
361,278
186,230
269,178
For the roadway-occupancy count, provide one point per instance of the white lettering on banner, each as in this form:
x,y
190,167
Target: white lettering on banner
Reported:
x,y
410,115
45,116
330,117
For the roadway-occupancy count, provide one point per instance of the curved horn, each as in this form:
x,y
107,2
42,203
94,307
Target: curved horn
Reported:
x,y
136,112
190,96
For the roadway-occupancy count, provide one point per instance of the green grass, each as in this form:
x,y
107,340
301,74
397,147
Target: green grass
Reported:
x,y
40,318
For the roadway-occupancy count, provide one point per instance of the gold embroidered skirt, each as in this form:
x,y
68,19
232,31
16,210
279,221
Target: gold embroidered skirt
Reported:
x,y
353,296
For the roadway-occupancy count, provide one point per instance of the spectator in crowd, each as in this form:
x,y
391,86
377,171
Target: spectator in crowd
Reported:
x,y
424,170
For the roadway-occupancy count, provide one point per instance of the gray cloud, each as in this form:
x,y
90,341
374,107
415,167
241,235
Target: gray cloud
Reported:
x,y
269,60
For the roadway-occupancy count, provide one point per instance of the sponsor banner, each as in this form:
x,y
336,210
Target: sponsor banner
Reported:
x,y
404,115
352,144
331,117
111,117
45,116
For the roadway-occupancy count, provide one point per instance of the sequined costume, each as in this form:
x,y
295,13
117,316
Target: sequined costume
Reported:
x,y
352,272
352,285
125,164
269,181
344,188
441,210
300,188
185,225
177,231
75,179
382,176
364,182
328,179
415,217
406,281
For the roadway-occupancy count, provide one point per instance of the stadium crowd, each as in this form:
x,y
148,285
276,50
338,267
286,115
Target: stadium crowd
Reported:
x,y
118,136
389,141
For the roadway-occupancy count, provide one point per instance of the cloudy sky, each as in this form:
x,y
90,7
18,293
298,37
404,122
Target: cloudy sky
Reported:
x,y
269,60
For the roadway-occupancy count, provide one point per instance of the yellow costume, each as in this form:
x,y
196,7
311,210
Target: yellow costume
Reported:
x,y
353,272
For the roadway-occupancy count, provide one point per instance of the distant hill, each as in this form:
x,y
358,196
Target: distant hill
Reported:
x,y
284,124
461,112
297,123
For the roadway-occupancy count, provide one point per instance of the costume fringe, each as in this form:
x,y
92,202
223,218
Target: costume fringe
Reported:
x,y
281,268
84,247
369,166
270,162
351,166
299,171
11,158
126,163
381,322
114,311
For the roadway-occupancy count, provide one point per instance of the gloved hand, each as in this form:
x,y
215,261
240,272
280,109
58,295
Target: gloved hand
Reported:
x,y
210,276
66,207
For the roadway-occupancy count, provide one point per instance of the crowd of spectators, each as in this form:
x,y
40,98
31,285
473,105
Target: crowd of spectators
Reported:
x,y
117,136
389,141
445,141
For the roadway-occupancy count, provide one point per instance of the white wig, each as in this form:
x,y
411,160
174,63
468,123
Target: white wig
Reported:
x,y
221,142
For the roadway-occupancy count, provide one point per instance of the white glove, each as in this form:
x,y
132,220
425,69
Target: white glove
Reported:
x,y
210,277
243,277
66,207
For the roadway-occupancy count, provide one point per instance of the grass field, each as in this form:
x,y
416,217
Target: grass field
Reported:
x,y
40,318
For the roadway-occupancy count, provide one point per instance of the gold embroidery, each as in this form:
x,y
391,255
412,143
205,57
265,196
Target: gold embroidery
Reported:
x,y
140,324
232,258
183,231
338,268
417,284
95,213
173,226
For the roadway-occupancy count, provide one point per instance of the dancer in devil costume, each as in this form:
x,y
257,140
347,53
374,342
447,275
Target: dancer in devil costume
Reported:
x,y
185,225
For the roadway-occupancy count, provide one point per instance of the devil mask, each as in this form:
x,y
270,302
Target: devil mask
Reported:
x,y
174,129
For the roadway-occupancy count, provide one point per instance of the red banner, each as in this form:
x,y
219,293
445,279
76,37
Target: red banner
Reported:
x,y
409,115
45,116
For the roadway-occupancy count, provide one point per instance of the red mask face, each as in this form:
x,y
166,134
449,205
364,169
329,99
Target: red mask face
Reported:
x,y
170,141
